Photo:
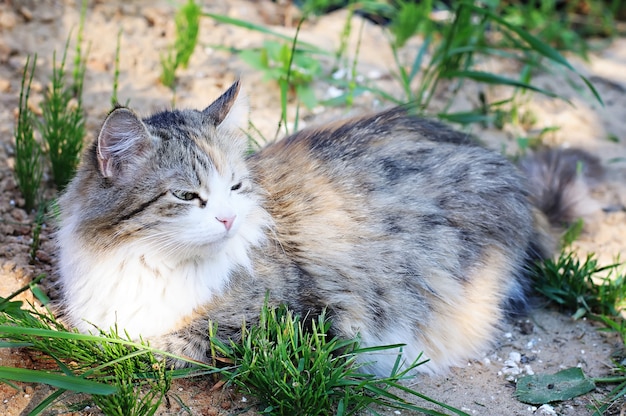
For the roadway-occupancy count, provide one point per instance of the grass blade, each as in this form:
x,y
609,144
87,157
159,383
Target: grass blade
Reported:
x,y
46,402
262,29
76,384
489,78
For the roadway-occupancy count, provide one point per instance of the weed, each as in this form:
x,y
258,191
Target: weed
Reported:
x,y
123,377
80,60
281,62
141,383
565,25
292,370
468,37
579,285
63,125
28,169
449,51
39,219
116,70
187,28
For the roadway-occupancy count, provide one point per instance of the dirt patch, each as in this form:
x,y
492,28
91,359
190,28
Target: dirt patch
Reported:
x,y
544,342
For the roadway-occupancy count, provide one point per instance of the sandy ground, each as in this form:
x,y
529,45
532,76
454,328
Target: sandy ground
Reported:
x,y
543,343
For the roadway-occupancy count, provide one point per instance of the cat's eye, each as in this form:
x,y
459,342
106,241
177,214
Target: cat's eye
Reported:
x,y
236,187
185,195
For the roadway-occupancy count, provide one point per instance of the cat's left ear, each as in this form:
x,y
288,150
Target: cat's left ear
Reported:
x,y
230,111
122,141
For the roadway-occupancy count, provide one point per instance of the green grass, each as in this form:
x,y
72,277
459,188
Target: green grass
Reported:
x,y
583,287
28,155
116,70
290,370
123,377
63,125
448,54
187,28
566,26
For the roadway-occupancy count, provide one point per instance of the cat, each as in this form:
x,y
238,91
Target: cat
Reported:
x,y
404,230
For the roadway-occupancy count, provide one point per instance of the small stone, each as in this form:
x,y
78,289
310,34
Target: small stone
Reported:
x,y
546,410
43,257
515,356
19,215
26,13
8,20
5,85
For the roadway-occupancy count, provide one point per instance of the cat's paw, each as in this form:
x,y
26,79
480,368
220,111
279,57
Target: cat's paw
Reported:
x,y
183,349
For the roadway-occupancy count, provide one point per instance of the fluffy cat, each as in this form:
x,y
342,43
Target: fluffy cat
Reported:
x,y
404,230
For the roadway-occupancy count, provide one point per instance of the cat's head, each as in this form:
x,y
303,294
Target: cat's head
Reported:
x,y
176,181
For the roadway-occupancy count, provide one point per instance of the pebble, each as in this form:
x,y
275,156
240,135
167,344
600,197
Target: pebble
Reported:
x,y
43,257
8,20
19,215
512,368
515,356
5,85
26,13
546,410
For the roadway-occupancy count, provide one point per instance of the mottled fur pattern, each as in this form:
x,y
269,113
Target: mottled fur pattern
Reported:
x,y
404,230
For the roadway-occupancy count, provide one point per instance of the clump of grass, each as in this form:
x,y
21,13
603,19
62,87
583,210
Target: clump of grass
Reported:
x,y
122,376
289,369
28,169
582,286
293,69
293,370
187,27
448,53
63,125
565,25
141,382
587,289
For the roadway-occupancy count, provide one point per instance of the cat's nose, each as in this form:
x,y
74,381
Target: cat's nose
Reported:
x,y
227,221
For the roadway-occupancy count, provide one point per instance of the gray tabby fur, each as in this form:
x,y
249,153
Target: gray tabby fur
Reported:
x,y
404,230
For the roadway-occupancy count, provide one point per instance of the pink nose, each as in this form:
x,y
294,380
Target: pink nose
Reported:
x,y
227,221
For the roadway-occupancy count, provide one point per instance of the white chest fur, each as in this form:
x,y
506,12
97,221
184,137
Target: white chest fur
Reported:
x,y
143,291
139,293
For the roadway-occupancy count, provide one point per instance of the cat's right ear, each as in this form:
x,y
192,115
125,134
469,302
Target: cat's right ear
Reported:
x,y
123,139
230,111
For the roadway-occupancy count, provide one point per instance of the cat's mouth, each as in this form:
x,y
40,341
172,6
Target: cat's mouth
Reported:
x,y
216,243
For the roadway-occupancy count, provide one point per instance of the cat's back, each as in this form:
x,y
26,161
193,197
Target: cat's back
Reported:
x,y
396,169
397,222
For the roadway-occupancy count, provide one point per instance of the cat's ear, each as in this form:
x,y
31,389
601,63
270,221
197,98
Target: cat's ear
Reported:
x,y
122,140
230,110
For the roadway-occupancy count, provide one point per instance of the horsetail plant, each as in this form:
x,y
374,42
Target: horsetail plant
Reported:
x,y
28,168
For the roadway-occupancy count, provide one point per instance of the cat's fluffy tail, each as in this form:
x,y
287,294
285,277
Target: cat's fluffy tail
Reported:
x,y
560,182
